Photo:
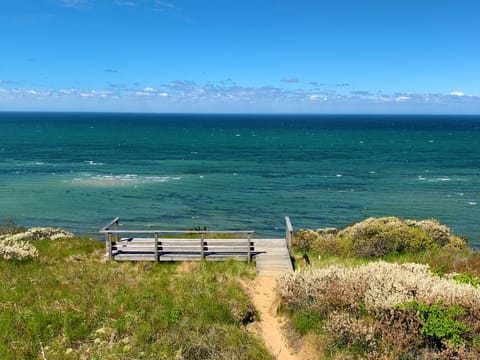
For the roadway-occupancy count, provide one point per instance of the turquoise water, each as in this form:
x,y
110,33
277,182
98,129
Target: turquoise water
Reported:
x,y
78,171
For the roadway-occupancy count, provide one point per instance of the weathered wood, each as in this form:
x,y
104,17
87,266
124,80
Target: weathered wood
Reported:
x,y
109,225
288,232
271,255
110,248
156,247
249,245
117,228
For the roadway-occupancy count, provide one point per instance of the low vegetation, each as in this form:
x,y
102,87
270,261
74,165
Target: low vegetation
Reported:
x,y
385,288
67,304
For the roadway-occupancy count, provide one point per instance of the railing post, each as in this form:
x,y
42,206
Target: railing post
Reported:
x,y
117,227
288,233
155,251
202,245
109,246
249,237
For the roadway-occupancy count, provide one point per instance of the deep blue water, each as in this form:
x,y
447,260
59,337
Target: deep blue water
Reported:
x,y
238,172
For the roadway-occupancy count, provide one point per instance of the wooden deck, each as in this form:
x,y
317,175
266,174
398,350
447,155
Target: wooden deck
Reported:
x,y
272,256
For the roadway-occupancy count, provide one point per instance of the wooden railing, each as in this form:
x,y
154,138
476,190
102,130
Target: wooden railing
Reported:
x,y
113,237
288,233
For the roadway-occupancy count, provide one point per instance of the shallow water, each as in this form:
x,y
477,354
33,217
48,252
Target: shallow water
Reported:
x,y
237,172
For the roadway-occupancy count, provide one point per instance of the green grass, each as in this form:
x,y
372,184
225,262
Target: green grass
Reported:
x,y
71,305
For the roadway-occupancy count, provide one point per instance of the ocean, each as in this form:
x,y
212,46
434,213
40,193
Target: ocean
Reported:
x,y
237,172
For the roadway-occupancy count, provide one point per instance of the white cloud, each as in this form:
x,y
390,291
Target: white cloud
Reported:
x,y
149,90
163,94
457,93
402,98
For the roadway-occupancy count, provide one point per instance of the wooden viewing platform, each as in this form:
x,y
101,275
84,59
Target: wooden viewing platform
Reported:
x,y
272,256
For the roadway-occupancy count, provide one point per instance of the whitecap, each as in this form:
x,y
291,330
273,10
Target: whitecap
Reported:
x,y
472,203
120,180
339,175
91,162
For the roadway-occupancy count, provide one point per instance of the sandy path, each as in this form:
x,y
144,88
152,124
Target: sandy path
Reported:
x,y
262,292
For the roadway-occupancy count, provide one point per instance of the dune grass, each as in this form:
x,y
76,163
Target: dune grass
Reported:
x,y
67,304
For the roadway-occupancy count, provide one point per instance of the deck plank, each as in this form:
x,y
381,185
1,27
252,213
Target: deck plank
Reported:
x,y
271,255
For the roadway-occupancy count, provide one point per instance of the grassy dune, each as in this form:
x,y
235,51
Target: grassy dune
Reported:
x,y
67,304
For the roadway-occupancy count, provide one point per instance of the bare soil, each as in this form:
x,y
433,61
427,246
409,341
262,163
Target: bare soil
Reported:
x,y
270,327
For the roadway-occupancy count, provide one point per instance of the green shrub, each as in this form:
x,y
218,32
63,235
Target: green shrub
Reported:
x,y
379,237
440,323
466,278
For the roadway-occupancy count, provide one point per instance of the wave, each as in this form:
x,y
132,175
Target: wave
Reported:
x,y
120,180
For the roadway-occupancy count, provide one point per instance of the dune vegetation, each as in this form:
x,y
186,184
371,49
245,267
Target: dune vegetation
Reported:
x,y
385,288
66,303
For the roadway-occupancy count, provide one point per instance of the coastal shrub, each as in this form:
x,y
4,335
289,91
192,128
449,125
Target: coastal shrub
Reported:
x,y
347,329
371,299
38,233
17,250
378,237
440,323
466,278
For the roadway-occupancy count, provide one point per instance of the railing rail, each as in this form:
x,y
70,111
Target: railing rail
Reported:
x,y
203,235
110,224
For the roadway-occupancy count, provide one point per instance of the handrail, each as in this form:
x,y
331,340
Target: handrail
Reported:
x,y
175,232
107,227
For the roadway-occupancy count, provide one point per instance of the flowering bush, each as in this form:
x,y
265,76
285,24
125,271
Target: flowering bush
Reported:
x,y
17,250
368,302
16,246
39,233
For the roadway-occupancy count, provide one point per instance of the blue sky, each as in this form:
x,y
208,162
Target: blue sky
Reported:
x,y
304,56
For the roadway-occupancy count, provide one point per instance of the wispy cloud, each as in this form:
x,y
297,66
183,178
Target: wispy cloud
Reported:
x,y
361,93
290,80
111,71
75,3
226,95
125,3
160,6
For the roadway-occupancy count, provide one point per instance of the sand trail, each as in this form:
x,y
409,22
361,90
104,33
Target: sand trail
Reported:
x,y
263,294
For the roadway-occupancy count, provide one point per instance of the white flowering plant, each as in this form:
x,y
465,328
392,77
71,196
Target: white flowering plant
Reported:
x,y
387,305
18,246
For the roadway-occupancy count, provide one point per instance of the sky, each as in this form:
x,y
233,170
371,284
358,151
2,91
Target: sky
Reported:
x,y
249,56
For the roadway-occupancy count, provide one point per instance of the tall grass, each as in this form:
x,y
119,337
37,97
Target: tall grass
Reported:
x,y
70,305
